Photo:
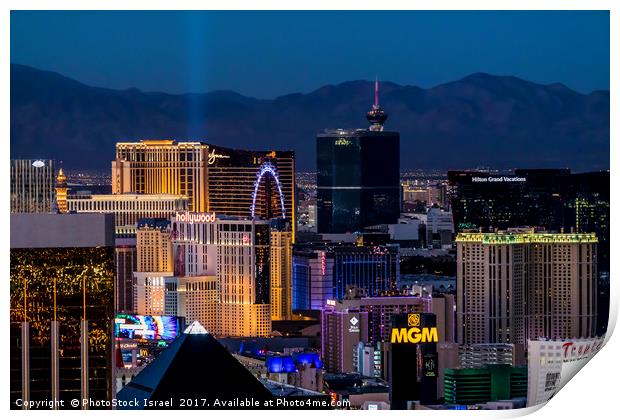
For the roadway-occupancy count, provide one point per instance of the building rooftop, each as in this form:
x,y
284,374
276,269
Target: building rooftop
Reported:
x,y
515,237
47,230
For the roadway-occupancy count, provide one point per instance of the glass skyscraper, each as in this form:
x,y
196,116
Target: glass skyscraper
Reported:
x,y
358,176
62,307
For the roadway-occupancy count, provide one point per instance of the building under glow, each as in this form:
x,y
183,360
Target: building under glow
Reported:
x,y
520,284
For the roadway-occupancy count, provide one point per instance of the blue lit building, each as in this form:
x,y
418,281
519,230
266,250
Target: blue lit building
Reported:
x,y
326,271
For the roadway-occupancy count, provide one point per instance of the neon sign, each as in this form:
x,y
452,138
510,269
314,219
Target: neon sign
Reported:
x,y
195,217
414,335
267,168
213,156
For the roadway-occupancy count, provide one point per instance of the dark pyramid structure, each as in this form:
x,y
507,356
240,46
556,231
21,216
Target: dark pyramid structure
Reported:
x,y
197,372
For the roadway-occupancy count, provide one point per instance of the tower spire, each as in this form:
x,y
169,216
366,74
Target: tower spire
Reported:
x,y
61,191
376,92
376,116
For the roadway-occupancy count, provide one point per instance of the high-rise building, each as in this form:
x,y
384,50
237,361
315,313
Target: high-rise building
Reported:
x,y
552,199
367,359
128,208
373,324
281,270
32,186
154,262
519,284
313,273
327,271
227,181
413,359
248,183
237,252
154,245
341,331
358,176
162,167
125,258
62,307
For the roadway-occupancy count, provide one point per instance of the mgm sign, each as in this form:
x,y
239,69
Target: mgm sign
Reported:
x,y
414,333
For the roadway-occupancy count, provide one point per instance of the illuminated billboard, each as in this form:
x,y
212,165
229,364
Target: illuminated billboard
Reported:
x,y
148,327
414,334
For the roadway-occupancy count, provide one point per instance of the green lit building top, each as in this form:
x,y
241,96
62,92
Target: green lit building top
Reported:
x,y
491,383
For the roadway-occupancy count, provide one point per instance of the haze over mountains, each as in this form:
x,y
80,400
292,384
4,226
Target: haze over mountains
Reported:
x,y
480,120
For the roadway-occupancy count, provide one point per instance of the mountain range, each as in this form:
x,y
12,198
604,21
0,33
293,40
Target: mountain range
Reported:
x,y
480,120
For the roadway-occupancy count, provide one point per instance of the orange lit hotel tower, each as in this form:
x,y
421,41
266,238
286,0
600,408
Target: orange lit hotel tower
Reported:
x,y
215,179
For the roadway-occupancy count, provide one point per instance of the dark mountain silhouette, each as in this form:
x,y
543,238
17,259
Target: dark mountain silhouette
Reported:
x,y
480,120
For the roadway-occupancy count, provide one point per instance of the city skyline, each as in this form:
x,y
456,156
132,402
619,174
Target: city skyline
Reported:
x,y
277,253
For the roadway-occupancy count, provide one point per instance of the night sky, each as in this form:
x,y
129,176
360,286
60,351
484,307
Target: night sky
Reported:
x,y
266,54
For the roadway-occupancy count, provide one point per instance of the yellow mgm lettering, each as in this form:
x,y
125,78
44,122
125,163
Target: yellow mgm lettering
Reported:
x,y
414,335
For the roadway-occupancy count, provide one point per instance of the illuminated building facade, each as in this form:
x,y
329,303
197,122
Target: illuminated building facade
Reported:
x,y
62,307
520,284
281,270
327,271
154,262
553,199
61,192
313,274
341,331
154,245
162,167
195,299
247,183
233,182
373,325
237,253
358,177
128,208
32,186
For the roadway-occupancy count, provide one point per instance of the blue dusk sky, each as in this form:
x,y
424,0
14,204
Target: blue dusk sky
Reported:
x,y
270,53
